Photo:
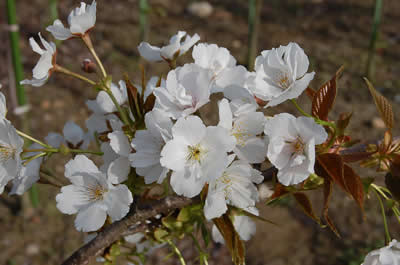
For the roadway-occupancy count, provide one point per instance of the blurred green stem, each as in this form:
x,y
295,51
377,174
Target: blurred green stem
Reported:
x,y
143,19
374,38
254,24
387,234
53,10
18,73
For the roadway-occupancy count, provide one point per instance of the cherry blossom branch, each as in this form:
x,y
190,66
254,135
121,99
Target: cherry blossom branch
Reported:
x,y
132,222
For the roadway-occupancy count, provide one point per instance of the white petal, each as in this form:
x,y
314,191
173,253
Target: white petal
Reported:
x,y
293,92
59,31
173,155
282,124
69,200
35,46
245,227
188,43
191,129
105,103
35,82
217,236
73,133
186,185
78,165
225,114
120,143
90,218
149,52
308,129
118,170
215,205
118,201
253,151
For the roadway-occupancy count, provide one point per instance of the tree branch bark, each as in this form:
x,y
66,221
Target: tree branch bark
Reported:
x,y
132,222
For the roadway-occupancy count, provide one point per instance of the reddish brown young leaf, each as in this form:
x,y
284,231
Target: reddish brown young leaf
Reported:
x,y
343,122
149,103
354,185
382,104
133,99
328,186
333,168
306,205
279,191
324,98
355,157
393,184
232,239
310,93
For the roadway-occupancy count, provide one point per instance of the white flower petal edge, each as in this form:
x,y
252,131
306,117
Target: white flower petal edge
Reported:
x,y
388,255
174,49
196,154
11,145
43,68
148,145
187,89
81,20
247,128
234,187
281,74
291,147
91,195
244,226
29,174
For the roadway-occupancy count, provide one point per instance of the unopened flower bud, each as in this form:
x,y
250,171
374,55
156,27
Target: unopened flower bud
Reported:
x,y
88,66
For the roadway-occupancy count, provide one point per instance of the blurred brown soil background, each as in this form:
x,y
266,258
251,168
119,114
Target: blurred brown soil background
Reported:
x,y
332,33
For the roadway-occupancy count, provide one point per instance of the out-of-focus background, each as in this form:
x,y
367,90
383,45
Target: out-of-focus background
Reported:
x,y
332,33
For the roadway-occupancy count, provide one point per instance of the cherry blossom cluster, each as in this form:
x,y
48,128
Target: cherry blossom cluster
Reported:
x,y
170,143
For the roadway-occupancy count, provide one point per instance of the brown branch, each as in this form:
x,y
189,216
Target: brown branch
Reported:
x,y
130,222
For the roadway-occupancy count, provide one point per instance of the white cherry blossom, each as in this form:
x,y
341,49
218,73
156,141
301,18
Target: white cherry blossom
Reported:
x,y
281,74
291,146
91,195
29,173
234,187
186,90
244,226
221,65
148,145
119,168
73,137
104,102
246,128
196,154
175,48
388,255
11,145
45,65
81,20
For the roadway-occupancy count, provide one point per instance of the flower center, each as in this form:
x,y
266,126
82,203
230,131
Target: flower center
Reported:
x,y
6,152
95,193
283,80
194,153
226,180
298,146
240,134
